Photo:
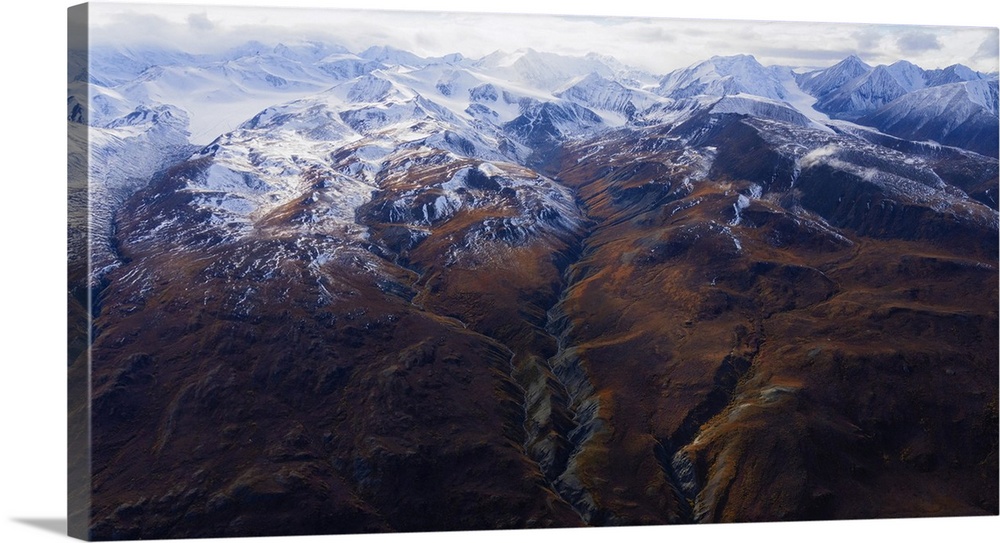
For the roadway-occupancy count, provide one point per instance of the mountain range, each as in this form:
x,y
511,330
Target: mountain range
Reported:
x,y
336,291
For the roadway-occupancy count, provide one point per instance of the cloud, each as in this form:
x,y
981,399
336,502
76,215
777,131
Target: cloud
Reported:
x,y
918,41
818,156
199,21
652,34
868,38
989,50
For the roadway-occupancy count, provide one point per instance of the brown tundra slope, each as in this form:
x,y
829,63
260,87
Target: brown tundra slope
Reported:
x,y
660,325
781,338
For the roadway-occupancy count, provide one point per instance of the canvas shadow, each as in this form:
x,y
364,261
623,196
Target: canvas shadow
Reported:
x,y
55,525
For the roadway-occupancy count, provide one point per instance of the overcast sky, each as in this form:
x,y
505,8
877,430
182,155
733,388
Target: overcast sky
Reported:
x,y
655,44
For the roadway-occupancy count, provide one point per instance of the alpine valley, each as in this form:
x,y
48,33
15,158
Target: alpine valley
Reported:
x,y
338,291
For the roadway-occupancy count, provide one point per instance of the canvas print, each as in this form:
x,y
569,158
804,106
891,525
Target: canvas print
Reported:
x,y
339,271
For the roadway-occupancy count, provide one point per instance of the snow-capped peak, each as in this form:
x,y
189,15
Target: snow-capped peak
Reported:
x,y
721,76
910,76
956,73
820,83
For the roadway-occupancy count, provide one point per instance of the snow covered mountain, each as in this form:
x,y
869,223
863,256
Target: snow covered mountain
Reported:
x,y
956,73
821,83
607,95
721,76
864,94
961,114
272,114
851,89
219,91
115,150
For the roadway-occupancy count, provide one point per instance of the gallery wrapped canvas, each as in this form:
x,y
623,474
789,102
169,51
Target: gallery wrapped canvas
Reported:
x,y
340,271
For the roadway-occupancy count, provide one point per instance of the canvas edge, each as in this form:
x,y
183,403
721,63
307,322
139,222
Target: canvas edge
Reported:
x,y
78,293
